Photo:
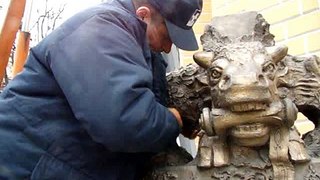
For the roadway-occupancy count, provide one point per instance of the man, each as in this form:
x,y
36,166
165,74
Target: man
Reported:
x,y
85,105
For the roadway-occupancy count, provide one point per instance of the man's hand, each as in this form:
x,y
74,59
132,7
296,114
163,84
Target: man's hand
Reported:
x,y
190,129
176,113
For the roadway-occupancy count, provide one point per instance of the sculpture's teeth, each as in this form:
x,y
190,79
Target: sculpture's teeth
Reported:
x,y
235,108
248,107
248,130
258,125
251,106
260,106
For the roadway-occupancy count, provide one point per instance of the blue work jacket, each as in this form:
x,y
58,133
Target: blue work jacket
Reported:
x,y
84,107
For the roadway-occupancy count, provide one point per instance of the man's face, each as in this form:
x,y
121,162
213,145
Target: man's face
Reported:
x,y
158,35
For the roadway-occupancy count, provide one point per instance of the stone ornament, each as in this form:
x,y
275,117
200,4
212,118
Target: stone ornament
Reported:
x,y
244,93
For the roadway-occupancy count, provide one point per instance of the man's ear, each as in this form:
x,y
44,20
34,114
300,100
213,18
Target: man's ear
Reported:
x,y
144,13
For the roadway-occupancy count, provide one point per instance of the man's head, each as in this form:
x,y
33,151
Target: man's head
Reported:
x,y
169,21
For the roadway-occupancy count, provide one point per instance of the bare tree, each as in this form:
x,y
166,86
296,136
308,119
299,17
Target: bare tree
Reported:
x,y
47,20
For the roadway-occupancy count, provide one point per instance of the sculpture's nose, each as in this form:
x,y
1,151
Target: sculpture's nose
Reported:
x,y
252,79
262,80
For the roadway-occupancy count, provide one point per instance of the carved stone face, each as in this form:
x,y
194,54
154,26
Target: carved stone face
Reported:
x,y
241,78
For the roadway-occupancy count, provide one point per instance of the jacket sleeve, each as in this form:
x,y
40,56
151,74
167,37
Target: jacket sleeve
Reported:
x,y
106,80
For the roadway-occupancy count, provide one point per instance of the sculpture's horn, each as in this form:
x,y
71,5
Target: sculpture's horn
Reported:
x,y
203,58
277,52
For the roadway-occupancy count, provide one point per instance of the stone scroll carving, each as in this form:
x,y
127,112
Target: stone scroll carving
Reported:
x,y
244,94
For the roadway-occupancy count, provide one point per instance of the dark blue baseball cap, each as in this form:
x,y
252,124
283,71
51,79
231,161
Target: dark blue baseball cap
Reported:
x,y
180,16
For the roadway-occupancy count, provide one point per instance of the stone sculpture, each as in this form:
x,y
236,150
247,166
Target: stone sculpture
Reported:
x,y
245,94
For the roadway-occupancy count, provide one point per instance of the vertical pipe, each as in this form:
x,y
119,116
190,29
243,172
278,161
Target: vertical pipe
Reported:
x,y
8,32
21,53
23,40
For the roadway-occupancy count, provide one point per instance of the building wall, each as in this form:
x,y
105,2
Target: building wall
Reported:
x,y
295,23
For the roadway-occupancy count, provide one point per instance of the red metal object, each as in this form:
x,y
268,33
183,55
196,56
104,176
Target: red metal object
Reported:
x,y
8,32
21,53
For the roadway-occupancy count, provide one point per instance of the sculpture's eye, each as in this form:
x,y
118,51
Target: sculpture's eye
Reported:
x,y
269,67
216,73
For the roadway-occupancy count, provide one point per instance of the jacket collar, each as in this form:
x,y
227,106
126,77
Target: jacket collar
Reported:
x,y
127,4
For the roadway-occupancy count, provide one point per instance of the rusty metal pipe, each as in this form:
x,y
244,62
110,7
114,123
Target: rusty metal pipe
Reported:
x,y
21,53
8,32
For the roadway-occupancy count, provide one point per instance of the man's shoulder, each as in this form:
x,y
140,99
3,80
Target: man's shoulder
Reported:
x,y
122,9
107,14
120,14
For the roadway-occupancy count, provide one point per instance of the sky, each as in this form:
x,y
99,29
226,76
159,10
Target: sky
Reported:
x,y
72,7
29,20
